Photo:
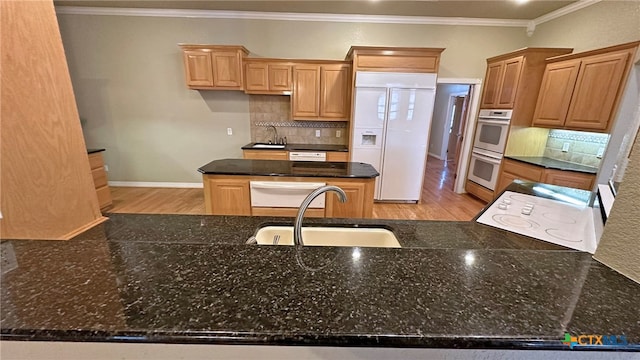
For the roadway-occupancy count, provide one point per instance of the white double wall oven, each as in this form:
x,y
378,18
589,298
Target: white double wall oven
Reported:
x,y
488,147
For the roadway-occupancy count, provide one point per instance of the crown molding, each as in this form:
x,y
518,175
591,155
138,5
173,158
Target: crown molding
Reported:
x,y
564,11
251,15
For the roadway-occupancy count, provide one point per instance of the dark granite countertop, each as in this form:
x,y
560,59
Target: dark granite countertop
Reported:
x,y
91,151
289,168
191,279
554,164
302,147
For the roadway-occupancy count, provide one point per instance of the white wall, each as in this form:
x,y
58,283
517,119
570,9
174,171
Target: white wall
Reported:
x,y
438,133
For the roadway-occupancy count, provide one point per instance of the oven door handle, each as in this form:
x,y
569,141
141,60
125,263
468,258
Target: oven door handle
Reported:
x,y
495,122
487,158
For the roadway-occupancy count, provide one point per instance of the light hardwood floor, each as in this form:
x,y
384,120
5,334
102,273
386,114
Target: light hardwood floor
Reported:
x,y
439,202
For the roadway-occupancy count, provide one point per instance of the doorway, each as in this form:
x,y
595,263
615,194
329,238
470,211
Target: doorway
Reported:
x,y
453,123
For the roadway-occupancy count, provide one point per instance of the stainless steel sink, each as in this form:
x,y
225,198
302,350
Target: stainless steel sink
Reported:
x,y
268,146
361,236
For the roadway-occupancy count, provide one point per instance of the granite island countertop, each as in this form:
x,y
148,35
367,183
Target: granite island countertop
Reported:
x,y
301,147
191,279
550,163
253,167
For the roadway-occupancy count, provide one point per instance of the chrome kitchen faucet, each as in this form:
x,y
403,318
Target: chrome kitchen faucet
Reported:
x,y
297,226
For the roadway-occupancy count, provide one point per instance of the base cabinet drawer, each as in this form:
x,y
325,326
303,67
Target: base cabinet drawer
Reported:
x,y
100,180
522,170
479,191
570,179
104,197
265,154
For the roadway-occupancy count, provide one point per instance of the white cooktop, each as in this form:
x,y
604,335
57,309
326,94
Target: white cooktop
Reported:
x,y
548,220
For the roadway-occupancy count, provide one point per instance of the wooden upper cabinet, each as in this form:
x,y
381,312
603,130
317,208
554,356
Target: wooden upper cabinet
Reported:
x,y
321,92
555,93
213,67
596,90
279,77
256,77
509,81
334,88
227,70
501,83
264,77
582,91
305,102
395,59
492,85
197,66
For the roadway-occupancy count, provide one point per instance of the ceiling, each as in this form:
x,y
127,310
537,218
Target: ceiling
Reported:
x,y
505,9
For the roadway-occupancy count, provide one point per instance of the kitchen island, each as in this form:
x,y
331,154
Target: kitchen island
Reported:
x,y
232,187
185,279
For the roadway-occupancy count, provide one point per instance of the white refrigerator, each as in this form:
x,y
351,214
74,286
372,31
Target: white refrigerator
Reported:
x,y
392,119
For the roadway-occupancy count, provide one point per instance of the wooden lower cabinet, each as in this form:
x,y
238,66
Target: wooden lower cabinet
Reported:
x,y
100,180
512,170
231,195
265,154
570,179
355,205
478,191
227,196
335,156
339,156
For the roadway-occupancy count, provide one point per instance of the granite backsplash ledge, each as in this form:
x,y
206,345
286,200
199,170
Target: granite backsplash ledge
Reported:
x,y
272,110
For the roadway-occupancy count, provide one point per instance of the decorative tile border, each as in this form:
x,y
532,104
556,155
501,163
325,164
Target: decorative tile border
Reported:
x,y
579,136
303,124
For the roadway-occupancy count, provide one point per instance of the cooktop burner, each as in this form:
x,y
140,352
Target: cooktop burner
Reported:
x,y
515,220
563,235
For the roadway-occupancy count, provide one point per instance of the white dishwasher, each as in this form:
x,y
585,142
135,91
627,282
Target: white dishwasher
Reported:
x,y
284,194
307,156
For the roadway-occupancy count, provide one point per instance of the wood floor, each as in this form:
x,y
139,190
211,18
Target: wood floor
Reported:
x,y
439,202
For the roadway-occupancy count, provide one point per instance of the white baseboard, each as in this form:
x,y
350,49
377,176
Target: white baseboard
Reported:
x,y
155,184
436,156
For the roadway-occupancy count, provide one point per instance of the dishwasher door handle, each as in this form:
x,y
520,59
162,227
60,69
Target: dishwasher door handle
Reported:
x,y
284,185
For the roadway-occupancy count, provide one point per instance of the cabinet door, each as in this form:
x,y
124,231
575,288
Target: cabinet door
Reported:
x,y
227,197
279,77
340,156
569,179
198,68
334,89
522,170
353,208
257,77
492,81
596,91
554,98
226,70
509,83
305,102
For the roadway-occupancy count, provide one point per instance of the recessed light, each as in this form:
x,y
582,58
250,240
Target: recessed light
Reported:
x,y
519,2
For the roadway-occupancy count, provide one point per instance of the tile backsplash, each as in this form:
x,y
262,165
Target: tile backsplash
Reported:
x,y
275,110
583,147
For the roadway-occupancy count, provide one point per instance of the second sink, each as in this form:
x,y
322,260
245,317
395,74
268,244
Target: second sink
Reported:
x,y
330,236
